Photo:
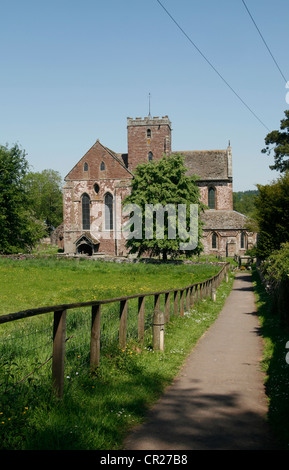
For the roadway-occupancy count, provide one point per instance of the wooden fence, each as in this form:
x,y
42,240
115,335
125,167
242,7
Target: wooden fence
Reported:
x,y
182,298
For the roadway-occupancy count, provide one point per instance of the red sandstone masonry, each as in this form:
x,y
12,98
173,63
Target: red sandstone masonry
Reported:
x,y
140,143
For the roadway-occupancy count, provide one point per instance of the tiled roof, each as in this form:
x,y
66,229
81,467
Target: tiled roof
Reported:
x,y
207,164
223,220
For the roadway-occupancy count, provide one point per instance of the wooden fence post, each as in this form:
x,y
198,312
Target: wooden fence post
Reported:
x,y
95,337
182,303
59,327
192,296
122,323
176,302
197,293
141,318
158,326
188,293
213,290
167,307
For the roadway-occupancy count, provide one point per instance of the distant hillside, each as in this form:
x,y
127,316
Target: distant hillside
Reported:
x,y
243,201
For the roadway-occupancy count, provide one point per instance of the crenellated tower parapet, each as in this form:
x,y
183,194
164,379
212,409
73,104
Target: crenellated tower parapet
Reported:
x,y
148,139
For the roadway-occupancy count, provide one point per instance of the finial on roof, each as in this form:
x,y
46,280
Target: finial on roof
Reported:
x,y
149,105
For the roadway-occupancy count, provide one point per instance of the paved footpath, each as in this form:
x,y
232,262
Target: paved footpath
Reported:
x,y
218,401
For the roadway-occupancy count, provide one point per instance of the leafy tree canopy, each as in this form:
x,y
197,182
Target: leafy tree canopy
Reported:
x,y
280,139
272,212
18,225
244,202
163,183
44,193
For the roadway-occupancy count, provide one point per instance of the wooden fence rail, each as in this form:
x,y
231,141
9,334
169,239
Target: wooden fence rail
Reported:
x,y
184,297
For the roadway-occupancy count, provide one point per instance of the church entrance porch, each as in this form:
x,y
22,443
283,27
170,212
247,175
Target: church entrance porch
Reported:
x,y
86,245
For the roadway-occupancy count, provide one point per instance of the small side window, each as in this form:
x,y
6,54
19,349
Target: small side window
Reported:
x,y
212,198
102,166
243,240
85,167
214,241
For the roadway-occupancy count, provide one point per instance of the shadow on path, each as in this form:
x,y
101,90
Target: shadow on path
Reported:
x,y
218,401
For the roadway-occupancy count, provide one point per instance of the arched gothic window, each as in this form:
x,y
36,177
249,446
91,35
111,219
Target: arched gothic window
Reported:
x,y
150,156
243,240
212,198
108,212
149,133
85,167
85,202
102,166
214,240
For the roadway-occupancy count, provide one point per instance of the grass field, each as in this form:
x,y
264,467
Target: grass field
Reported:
x,y
31,283
95,412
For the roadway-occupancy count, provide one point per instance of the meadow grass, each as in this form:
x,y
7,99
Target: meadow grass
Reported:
x,y
31,283
276,336
97,411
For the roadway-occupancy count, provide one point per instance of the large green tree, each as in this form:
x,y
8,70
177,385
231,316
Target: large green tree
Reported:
x,y
44,193
280,142
272,213
244,202
19,227
162,184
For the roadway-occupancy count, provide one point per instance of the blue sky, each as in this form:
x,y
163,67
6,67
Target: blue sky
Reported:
x,y
72,72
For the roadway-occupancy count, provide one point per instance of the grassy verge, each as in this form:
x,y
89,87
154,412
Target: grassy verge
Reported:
x,y
274,363
97,412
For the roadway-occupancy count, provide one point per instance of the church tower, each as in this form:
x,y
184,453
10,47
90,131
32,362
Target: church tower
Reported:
x,y
148,139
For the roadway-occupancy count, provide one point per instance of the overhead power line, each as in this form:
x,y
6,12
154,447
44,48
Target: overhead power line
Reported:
x,y
212,66
264,41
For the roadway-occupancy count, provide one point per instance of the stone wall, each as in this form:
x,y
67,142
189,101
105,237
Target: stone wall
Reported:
x,y
147,135
228,242
223,193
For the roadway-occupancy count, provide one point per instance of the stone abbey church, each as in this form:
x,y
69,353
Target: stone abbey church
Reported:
x,y
101,179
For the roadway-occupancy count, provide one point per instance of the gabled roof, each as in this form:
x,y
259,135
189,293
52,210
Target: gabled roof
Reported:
x,y
93,155
87,236
206,164
223,220
120,157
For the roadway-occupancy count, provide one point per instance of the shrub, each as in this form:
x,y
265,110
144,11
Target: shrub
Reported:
x,y
276,272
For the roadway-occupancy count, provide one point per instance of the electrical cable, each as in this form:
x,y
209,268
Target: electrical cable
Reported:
x,y
264,41
212,66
